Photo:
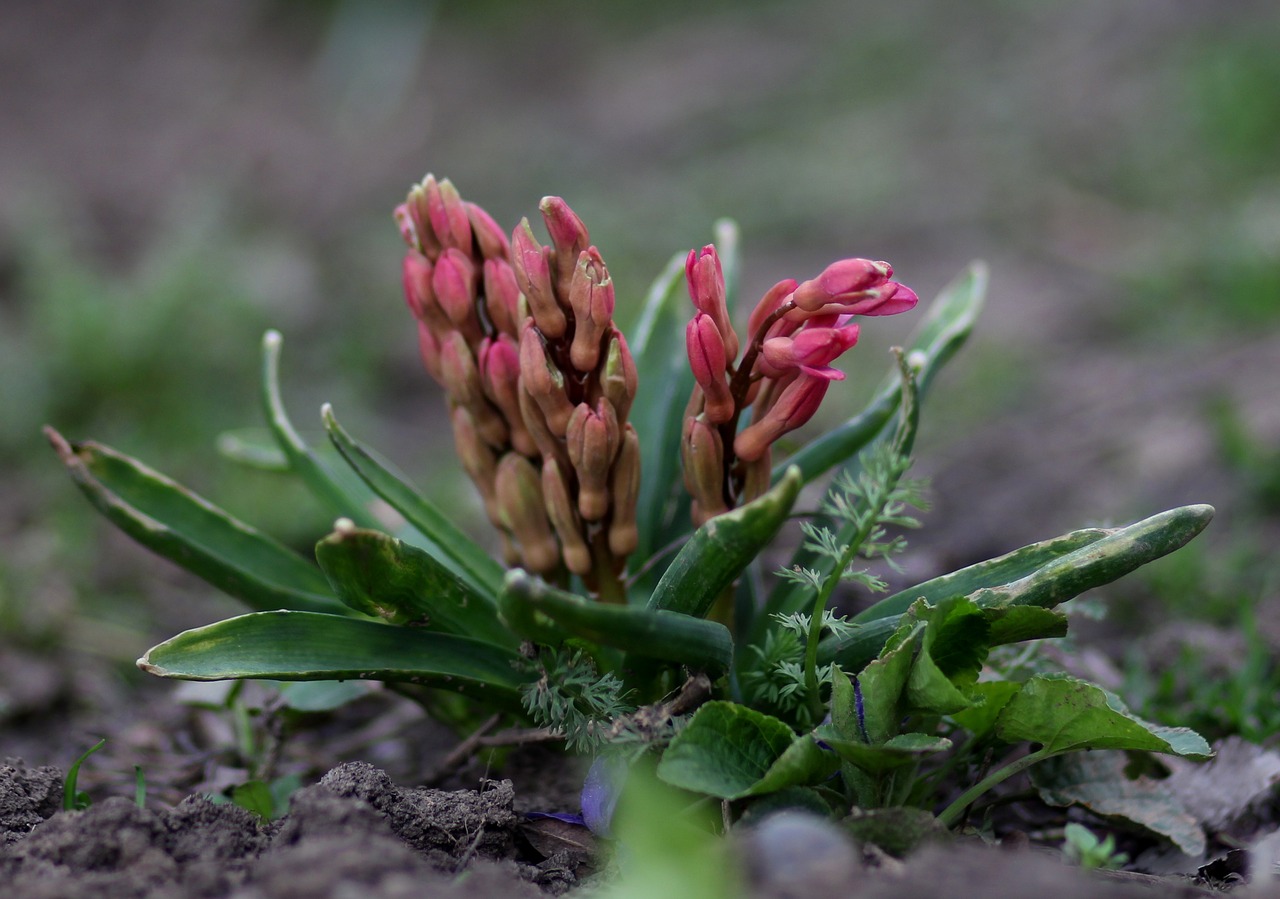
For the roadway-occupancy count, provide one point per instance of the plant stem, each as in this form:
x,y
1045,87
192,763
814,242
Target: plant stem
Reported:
x,y
952,813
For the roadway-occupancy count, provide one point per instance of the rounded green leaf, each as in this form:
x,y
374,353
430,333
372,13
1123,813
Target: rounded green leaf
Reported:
x,y
725,750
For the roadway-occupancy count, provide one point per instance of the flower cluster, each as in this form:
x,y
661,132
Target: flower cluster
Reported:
x,y
539,381
795,332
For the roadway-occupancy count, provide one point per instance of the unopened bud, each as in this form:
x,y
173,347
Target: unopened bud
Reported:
x,y
499,360
796,404
544,382
591,439
810,351
564,518
624,492
461,379
705,279
568,235
429,350
591,298
478,460
846,279
707,359
454,284
502,296
770,303
490,238
520,505
448,215
408,230
416,206
619,380
529,261
704,471
416,272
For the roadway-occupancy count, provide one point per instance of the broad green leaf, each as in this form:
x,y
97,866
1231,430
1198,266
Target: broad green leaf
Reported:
x,y
1044,575
719,550
995,572
1066,714
957,637
657,343
255,796
345,496
437,534
1121,551
309,646
803,763
940,334
989,699
724,750
387,578
653,634
1097,781
1017,624
883,682
188,530
904,749
929,690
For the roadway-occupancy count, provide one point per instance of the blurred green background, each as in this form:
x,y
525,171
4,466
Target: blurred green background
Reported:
x,y
175,178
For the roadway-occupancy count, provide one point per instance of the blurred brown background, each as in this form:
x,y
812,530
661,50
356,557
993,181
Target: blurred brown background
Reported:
x,y
174,178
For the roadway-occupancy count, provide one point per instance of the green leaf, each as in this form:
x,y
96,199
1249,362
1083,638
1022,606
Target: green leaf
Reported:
x,y
255,796
321,695
435,532
1044,574
1017,624
253,448
724,750
1065,714
654,634
1097,781
995,572
309,646
884,681
666,381
346,497
72,797
1121,551
387,578
940,334
989,699
188,530
719,550
896,752
803,763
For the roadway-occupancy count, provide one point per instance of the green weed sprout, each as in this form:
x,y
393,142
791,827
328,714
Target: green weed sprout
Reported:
x,y
635,482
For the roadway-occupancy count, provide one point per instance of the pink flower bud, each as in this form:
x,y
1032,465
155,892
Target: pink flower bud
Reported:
x,y
478,460
448,214
416,206
619,380
840,281
591,298
499,360
706,288
707,359
568,235
795,405
429,349
591,438
461,378
454,284
543,381
502,296
415,275
532,269
490,237
769,304
810,350
624,491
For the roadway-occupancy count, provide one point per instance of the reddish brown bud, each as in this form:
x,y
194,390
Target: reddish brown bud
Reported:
x,y
429,349
490,238
591,439
518,486
564,518
591,298
706,288
619,380
461,379
478,460
568,235
499,360
707,359
529,261
416,206
624,491
502,296
543,381
448,214
454,284
704,473
794,406
773,299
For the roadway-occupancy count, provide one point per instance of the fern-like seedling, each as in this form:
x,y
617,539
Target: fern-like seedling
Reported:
x,y
859,509
573,698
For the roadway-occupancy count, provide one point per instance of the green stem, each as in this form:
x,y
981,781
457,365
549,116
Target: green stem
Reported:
x,y
951,814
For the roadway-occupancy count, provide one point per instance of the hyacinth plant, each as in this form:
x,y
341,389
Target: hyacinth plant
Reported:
x,y
635,485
